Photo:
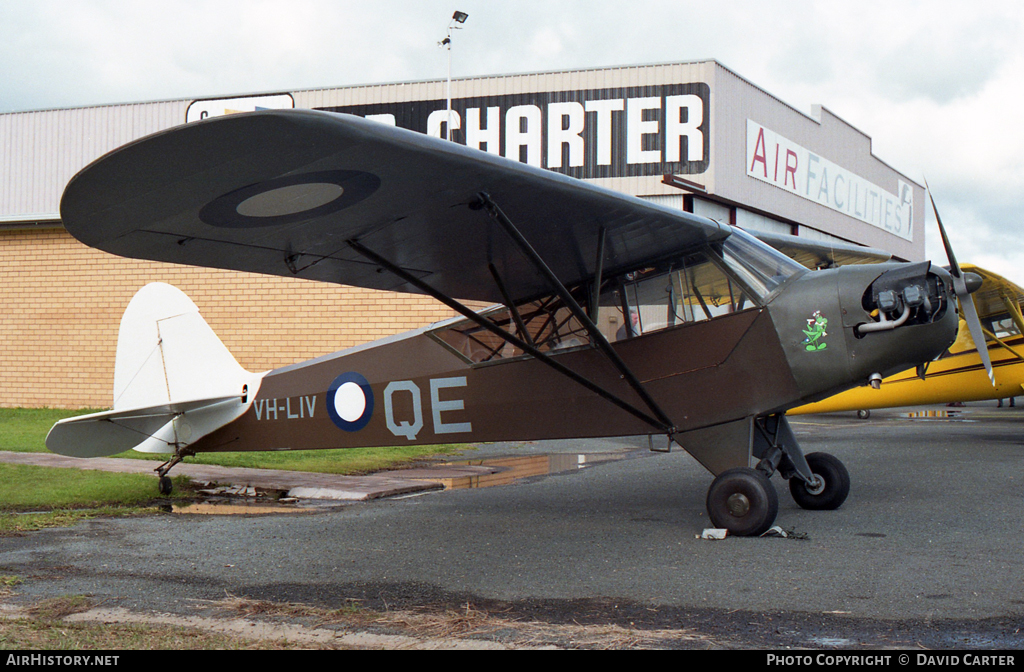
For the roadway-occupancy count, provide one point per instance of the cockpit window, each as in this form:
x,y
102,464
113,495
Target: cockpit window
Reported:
x,y
545,323
706,283
691,289
760,267
1003,326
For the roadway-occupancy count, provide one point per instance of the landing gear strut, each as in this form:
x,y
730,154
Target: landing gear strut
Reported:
x,y
744,501
166,485
818,481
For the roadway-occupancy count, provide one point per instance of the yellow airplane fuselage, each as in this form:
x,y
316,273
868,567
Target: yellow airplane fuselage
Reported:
x,y
955,377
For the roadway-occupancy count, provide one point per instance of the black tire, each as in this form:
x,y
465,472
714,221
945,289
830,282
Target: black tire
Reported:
x,y
863,414
743,501
836,487
166,485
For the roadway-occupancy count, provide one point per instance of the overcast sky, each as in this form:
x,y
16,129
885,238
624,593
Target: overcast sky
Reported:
x,y
938,85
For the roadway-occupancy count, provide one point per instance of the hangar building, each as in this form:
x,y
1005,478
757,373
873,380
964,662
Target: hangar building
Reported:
x,y
695,136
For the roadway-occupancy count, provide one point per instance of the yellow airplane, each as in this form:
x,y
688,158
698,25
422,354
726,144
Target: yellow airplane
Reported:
x,y
960,373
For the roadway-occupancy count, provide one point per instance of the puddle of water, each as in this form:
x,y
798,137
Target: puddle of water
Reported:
x,y
490,472
510,469
225,508
933,414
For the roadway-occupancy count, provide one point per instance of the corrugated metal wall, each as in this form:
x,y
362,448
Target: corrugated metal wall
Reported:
x,y
736,100
41,151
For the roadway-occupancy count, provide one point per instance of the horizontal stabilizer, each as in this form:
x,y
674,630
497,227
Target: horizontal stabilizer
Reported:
x,y
155,429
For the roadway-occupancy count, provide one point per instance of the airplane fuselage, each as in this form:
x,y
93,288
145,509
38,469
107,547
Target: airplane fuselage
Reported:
x,y
415,389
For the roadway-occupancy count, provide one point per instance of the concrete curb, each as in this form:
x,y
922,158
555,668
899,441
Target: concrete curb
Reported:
x,y
300,484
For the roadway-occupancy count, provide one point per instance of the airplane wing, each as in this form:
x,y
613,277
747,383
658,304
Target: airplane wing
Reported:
x,y
821,254
285,191
997,296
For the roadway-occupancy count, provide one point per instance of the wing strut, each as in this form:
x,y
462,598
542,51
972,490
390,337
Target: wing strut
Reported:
x,y
528,348
595,298
596,336
520,325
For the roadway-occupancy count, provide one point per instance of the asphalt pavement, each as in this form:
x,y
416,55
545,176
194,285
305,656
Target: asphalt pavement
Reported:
x,y
925,552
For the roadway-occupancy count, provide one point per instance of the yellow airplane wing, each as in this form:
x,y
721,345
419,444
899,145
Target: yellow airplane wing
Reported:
x,y
958,375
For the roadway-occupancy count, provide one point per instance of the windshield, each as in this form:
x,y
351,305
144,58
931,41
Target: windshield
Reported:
x,y
761,267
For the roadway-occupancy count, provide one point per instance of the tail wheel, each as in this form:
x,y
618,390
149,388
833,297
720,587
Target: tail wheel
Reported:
x,y
830,491
743,501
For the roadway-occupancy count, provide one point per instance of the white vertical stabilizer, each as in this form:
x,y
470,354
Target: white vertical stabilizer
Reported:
x,y
174,383
167,353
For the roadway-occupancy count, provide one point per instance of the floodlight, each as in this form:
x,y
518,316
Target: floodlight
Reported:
x,y
460,18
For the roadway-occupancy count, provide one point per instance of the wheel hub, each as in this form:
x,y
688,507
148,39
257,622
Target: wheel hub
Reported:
x,y
738,504
817,487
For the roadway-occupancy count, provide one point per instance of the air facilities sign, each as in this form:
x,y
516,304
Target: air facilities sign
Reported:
x,y
645,130
781,162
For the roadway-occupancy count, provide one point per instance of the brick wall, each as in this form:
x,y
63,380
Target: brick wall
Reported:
x,y
61,304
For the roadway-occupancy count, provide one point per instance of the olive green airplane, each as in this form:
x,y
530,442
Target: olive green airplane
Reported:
x,y
611,316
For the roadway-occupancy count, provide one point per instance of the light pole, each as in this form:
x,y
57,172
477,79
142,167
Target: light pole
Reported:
x,y
457,18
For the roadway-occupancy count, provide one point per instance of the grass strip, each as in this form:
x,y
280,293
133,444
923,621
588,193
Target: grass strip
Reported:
x,y
25,429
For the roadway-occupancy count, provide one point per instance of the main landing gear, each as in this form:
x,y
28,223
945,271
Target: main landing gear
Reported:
x,y
744,501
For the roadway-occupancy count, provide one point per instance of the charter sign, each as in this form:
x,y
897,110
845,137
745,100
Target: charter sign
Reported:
x,y
781,162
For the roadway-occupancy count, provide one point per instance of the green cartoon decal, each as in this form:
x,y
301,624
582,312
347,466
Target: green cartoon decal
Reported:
x,y
815,331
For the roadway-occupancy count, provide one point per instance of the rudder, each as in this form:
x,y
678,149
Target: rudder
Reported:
x,y
167,353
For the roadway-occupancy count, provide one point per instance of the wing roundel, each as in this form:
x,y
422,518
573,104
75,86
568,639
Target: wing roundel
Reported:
x,y
284,192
